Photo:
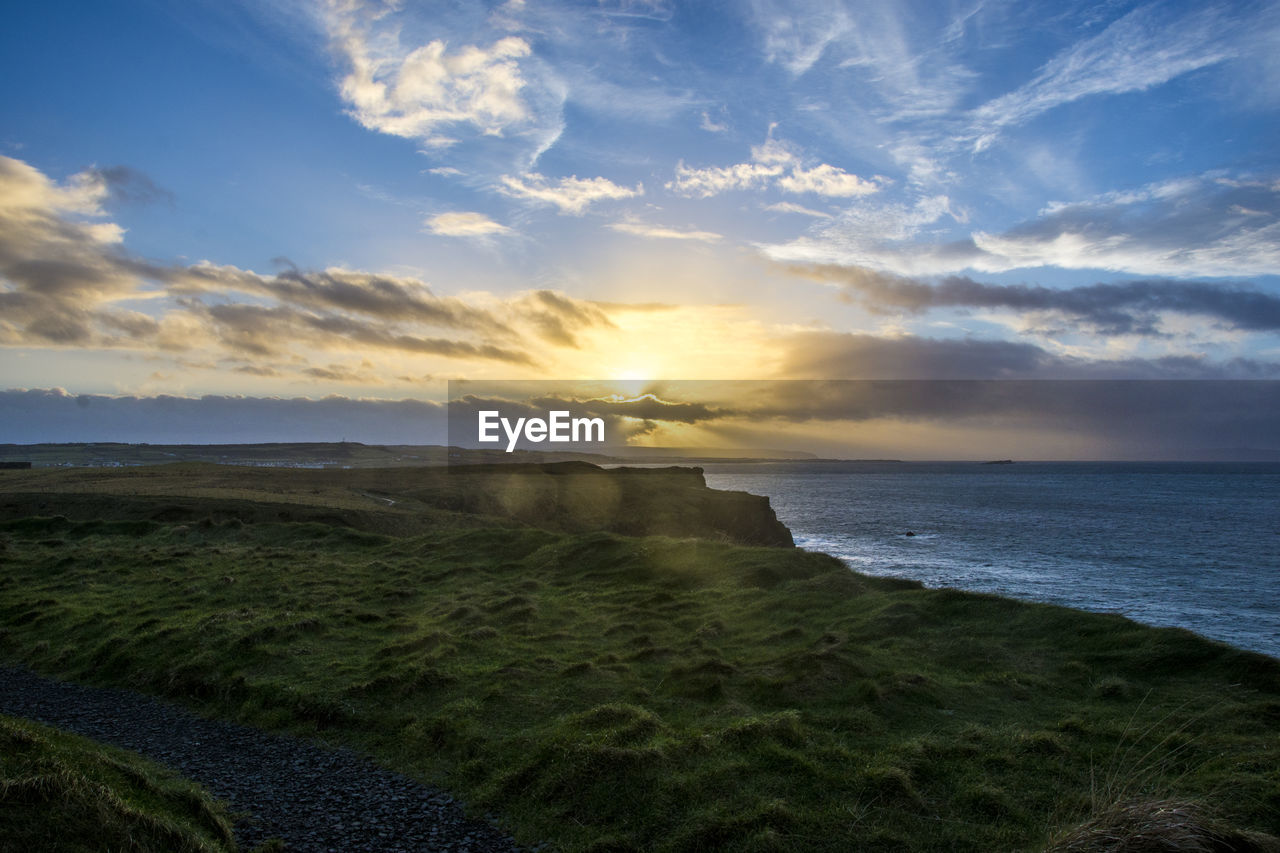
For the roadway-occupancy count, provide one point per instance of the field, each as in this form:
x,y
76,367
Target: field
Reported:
x,y
601,691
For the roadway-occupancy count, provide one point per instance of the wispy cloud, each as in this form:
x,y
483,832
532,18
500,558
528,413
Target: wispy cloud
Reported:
x,y
571,195
795,37
661,233
772,163
465,224
1145,48
792,207
1207,225
713,180
710,125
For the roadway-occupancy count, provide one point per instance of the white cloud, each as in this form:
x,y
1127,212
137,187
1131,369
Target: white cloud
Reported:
x,y
1198,226
429,91
28,192
711,126
661,233
1136,52
465,225
792,207
796,39
572,194
713,180
826,180
772,163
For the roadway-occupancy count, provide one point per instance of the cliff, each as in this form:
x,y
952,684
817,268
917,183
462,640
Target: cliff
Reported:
x,y
577,496
563,496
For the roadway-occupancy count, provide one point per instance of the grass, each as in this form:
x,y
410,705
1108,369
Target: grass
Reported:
x,y
602,692
63,794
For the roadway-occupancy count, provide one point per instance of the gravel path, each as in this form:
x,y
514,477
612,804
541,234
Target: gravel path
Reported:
x,y
314,798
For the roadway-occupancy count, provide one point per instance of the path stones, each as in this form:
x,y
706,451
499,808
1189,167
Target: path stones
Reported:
x,y
314,798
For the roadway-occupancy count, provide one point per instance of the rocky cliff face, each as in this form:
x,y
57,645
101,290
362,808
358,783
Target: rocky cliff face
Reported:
x,y
576,496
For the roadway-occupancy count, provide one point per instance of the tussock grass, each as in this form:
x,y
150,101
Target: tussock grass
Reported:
x,y
1159,826
64,794
612,693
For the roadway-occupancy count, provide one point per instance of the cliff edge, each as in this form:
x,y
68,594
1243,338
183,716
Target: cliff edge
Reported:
x,y
578,496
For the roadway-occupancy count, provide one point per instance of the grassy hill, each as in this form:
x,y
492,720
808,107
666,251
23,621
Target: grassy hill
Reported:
x,y
607,692
64,794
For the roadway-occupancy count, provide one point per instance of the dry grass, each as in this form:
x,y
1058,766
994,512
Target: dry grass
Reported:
x,y
1158,826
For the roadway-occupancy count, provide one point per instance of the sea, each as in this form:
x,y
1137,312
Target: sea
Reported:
x,y
1191,545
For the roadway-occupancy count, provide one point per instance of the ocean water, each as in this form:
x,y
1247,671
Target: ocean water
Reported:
x,y
1193,545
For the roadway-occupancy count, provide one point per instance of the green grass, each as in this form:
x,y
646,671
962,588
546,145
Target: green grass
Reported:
x,y
608,693
63,794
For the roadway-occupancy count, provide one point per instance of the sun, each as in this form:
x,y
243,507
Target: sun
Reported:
x,y
633,373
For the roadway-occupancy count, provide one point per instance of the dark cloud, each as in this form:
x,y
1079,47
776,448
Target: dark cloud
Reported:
x,y
646,407
53,415
342,373
1121,308
1113,418
128,185
1209,225
63,275
837,355
268,330
557,316
621,423
861,356
384,297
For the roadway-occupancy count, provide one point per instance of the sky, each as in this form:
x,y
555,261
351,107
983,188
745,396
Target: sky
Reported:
x,y
298,219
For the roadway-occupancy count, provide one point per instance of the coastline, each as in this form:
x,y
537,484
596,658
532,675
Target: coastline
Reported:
x,y
741,697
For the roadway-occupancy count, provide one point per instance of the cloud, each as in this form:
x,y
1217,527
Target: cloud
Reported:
x,y
1209,225
1145,48
1123,308
571,195
271,331
557,317
939,418
53,415
429,92
66,281
796,39
792,207
465,225
772,164
625,416
826,180
383,297
711,126
713,180
832,355
128,185
661,233
854,355
60,271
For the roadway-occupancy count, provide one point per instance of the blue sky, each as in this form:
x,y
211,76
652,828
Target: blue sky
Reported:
x,y
362,199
